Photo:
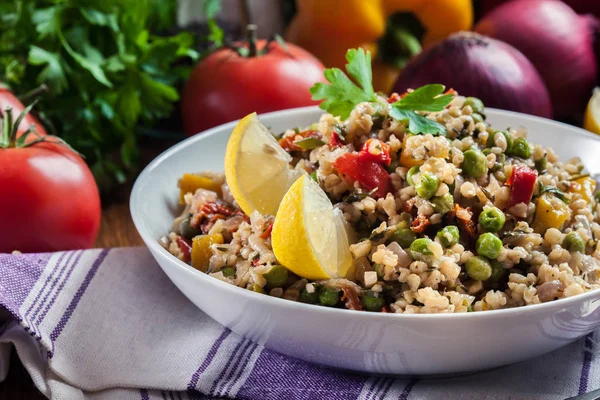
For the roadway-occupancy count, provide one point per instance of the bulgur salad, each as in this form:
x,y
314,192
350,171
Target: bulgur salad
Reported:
x,y
439,212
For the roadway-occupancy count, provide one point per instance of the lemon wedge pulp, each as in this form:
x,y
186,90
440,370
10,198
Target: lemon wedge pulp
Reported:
x,y
309,236
591,121
257,169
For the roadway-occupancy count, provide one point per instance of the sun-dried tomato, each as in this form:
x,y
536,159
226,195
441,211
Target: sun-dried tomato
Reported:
x,y
350,297
267,232
288,143
185,246
420,224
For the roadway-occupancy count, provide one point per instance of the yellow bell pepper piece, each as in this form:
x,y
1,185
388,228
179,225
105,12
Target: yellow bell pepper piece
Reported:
x,y
328,28
201,251
189,183
551,212
411,142
584,186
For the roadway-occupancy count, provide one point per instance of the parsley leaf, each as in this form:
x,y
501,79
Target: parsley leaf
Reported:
x,y
425,98
416,122
341,95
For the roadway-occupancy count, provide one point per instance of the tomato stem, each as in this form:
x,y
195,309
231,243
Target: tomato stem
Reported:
x,y
34,93
251,34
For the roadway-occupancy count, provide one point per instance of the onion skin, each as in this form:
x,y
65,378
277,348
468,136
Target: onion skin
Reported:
x,y
486,68
579,6
557,41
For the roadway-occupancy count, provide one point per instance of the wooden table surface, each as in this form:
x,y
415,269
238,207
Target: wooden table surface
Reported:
x,y
116,230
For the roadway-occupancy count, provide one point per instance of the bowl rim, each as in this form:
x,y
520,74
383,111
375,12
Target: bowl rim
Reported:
x,y
153,244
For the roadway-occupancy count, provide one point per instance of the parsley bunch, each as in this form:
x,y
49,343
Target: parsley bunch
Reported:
x,y
106,72
341,95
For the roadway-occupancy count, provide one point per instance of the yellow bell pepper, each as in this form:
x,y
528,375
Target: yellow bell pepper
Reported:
x,y
551,212
584,186
411,142
328,28
201,251
189,183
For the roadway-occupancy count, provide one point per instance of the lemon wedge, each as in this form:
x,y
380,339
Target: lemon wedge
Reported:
x,y
257,169
309,236
591,121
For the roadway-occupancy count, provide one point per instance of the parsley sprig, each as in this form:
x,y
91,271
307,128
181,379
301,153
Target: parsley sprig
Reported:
x,y
341,95
426,98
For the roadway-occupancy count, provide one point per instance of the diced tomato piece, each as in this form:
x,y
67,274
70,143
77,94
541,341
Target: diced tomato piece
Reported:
x,y
376,150
368,173
522,183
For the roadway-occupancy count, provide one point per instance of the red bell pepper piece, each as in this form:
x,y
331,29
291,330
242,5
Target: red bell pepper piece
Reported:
x,y
368,173
522,183
376,150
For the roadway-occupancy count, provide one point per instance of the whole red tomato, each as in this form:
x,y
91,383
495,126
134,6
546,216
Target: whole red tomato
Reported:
x,y
48,197
8,99
226,86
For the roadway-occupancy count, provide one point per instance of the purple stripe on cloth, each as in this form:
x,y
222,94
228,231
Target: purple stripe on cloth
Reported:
x,y
374,388
244,343
39,295
18,277
231,380
386,388
587,362
78,295
60,288
57,274
275,376
209,357
178,396
144,394
407,389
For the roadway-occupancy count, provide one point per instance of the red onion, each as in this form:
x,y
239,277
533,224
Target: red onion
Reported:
x,y
475,65
557,41
579,6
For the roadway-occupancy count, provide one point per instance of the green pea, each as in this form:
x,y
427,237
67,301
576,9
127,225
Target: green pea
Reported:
x,y
478,268
489,245
492,219
498,271
475,103
404,237
448,236
411,172
443,204
277,276
329,296
521,148
474,163
187,231
573,242
228,271
541,165
310,298
372,303
420,248
509,140
477,118
428,185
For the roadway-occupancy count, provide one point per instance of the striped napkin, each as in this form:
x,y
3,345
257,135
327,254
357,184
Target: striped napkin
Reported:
x,y
108,324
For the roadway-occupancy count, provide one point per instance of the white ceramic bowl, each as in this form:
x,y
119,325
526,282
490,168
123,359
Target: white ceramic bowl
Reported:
x,y
362,341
